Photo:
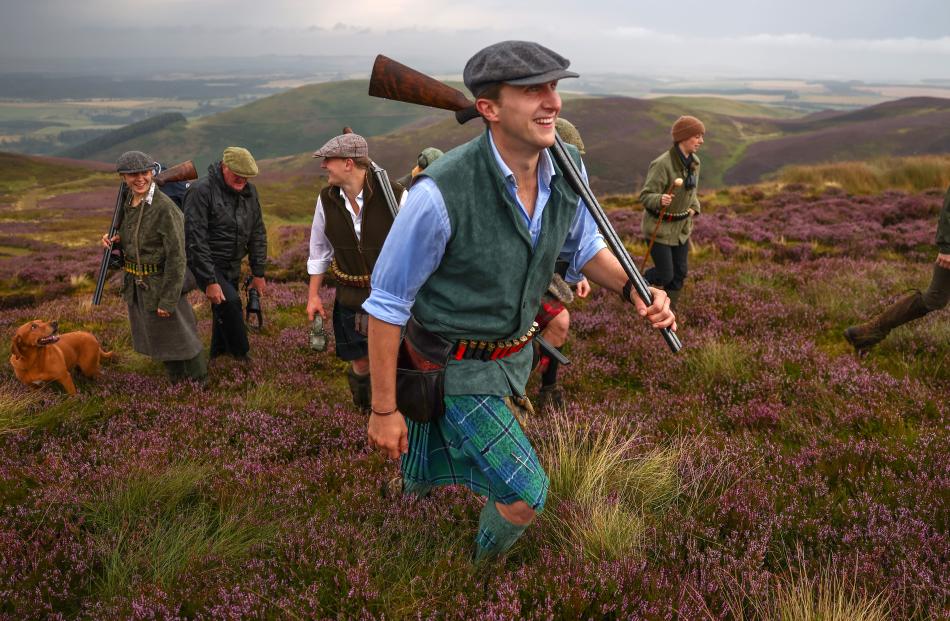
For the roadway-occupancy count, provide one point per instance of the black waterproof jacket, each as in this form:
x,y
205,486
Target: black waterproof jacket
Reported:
x,y
223,226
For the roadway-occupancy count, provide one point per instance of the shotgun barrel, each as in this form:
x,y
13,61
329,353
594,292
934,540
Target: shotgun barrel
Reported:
x,y
382,180
107,252
395,81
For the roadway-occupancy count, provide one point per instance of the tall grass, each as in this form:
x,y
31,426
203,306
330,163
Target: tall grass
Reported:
x,y
799,595
16,407
912,174
151,527
604,496
26,409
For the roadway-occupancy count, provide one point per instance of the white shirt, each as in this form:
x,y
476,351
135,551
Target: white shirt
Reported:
x,y
321,250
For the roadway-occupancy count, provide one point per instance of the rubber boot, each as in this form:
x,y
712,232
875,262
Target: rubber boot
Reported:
x,y
360,388
868,334
196,369
175,370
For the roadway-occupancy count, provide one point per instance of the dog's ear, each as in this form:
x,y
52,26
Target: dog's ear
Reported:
x,y
15,348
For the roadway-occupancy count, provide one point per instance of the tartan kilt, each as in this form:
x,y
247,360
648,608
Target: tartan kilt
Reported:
x,y
477,443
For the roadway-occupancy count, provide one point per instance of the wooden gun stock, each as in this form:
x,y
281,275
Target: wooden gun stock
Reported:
x,y
393,80
396,81
182,172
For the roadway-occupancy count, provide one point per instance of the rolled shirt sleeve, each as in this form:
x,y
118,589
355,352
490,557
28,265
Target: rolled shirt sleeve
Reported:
x,y
413,250
321,251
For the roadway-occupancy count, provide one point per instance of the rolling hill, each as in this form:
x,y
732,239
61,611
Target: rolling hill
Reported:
x,y
745,142
295,121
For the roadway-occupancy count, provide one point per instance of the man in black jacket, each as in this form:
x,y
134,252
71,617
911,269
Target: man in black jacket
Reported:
x,y
223,224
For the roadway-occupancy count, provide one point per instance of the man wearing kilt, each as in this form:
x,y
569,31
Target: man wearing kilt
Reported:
x,y
463,269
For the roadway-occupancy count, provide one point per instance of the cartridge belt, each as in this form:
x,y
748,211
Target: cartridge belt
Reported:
x,y
350,280
493,350
438,349
142,269
668,217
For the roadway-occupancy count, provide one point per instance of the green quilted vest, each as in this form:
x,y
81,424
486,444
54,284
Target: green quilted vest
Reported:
x,y
489,283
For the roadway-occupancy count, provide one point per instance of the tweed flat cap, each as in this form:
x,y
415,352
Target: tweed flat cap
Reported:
x,y
521,63
344,145
133,162
240,161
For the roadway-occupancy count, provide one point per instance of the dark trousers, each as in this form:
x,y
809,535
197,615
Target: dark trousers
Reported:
x,y
228,332
937,294
669,266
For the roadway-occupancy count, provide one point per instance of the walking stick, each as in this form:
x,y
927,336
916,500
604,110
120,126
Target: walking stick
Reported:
x,y
673,186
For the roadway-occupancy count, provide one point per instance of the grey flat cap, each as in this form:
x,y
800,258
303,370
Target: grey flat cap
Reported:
x,y
521,63
344,145
133,162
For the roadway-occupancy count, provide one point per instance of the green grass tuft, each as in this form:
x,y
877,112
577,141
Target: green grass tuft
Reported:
x,y
720,361
604,496
151,527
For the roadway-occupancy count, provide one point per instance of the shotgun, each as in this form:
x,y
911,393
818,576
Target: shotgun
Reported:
x,y
182,172
395,81
382,180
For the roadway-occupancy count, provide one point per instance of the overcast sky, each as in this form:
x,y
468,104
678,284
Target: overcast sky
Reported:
x,y
865,40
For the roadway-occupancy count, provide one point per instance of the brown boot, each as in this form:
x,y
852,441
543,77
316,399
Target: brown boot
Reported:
x,y
360,388
908,307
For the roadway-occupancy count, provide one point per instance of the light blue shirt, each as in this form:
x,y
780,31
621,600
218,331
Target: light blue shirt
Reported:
x,y
418,237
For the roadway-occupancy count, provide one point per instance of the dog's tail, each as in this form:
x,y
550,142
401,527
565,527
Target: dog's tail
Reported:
x,y
107,355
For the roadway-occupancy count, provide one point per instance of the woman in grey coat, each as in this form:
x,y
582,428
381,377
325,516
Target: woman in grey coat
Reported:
x,y
152,237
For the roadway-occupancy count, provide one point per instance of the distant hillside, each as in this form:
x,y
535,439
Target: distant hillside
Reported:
x,y
295,121
125,135
913,126
744,143
622,136
20,174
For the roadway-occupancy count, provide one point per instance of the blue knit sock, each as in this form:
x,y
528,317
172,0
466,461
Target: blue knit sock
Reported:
x,y
495,533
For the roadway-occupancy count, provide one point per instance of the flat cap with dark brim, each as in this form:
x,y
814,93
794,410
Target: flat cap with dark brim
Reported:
x,y
134,162
521,63
344,145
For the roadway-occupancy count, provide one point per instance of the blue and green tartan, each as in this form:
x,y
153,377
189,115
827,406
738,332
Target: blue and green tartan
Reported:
x,y
477,443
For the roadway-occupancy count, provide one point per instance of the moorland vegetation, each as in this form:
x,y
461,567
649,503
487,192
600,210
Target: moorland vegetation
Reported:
x,y
762,473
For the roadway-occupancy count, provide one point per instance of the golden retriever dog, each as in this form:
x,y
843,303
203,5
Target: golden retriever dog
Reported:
x,y
40,354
